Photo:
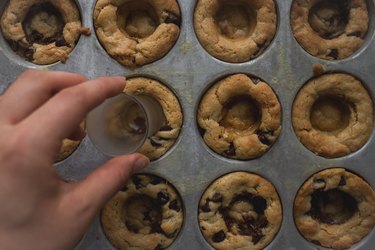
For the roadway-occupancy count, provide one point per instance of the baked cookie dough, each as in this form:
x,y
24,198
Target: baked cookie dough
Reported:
x,y
42,31
333,115
137,32
146,214
235,31
335,209
330,29
160,142
240,117
240,211
68,147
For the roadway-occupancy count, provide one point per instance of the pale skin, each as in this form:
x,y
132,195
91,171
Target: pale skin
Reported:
x,y
38,209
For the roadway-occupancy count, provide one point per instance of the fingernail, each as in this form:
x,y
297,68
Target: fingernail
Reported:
x,y
122,79
141,163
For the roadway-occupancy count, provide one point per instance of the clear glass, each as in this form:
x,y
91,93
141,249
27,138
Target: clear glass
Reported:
x,y
122,124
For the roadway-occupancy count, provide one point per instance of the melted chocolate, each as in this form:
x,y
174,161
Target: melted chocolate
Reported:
x,y
218,237
334,54
249,226
162,197
172,18
263,136
231,151
344,203
137,182
174,205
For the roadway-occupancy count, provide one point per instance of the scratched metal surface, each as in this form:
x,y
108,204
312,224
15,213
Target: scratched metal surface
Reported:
x,y
190,166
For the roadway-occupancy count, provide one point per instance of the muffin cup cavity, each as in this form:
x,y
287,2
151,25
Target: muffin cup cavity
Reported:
x,y
335,209
160,142
240,211
239,117
332,29
42,32
146,214
235,31
332,115
136,33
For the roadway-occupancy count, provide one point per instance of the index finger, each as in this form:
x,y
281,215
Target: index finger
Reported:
x,y
31,90
60,116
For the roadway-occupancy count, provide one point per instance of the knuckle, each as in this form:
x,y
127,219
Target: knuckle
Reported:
x,y
74,96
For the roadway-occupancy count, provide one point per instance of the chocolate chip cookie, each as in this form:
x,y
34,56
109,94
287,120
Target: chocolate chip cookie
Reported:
x,y
42,31
240,117
240,211
333,115
335,208
146,214
330,29
235,31
160,142
137,32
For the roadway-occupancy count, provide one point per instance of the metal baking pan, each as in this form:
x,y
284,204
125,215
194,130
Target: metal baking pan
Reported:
x,y
190,165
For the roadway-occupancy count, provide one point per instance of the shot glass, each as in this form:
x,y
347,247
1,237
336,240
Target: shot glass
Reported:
x,y
122,124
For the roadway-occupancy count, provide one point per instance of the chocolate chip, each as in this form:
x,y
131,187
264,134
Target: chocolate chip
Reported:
x,y
29,53
172,18
158,247
218,237
166,128
256,237
60,42
155,228
334,54
156,180
137,182
35,37
262,222
355,33
255,80
131,227
319,184
217,197
206,207
24,44
231,151
342,181
229,222
253,228
263,136
317,215
260,204
156,142
175,206
162,197
261,47
139,126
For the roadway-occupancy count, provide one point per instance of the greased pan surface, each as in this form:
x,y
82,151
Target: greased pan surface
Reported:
x,y
190,165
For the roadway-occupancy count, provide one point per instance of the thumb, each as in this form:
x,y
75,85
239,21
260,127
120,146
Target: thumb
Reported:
x,y
106,181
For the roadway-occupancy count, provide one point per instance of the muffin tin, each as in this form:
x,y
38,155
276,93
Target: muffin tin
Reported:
x,y
190,165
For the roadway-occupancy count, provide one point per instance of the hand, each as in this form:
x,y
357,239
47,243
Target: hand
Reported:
x,y
38,209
